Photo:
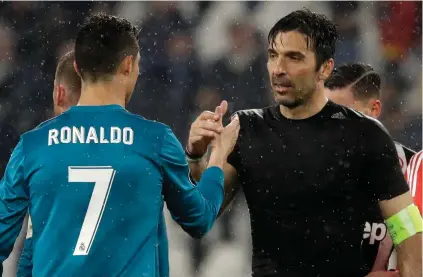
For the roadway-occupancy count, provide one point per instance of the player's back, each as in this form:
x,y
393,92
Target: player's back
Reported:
x,y
95,185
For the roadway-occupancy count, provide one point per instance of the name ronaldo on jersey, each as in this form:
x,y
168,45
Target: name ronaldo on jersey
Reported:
x,y
101,135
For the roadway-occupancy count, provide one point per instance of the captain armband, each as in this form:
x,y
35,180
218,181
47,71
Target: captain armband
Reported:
x,y
404,224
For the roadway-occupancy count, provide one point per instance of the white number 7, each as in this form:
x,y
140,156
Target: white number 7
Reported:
x,y
102,177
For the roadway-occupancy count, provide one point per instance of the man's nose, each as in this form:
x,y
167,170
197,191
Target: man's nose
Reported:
x,y
279,69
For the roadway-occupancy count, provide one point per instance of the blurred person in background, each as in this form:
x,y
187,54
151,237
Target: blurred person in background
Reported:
x,y
239,76
400,40
402,110
169,71
345,16
184,76
303,222
66,93
358,86
39,30
9,78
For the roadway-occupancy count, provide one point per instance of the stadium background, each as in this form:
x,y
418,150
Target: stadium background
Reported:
x,y
194,54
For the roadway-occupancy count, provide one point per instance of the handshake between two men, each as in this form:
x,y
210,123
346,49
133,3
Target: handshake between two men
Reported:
x,y
208,130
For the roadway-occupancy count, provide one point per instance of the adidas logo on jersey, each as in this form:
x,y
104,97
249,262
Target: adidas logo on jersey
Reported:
x,y
338,115
374,232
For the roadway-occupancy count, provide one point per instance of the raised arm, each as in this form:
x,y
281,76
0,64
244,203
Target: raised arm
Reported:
x,y
195,206
231,184
14,201
205,128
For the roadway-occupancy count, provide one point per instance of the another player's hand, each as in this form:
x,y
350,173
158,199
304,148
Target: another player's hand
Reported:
x,y
383,274
206,127
227,139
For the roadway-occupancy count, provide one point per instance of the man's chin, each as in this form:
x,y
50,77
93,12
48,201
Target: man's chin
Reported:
x,y
288,103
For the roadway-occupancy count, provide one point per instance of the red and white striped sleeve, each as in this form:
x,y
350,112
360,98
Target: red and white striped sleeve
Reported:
x,y
413,174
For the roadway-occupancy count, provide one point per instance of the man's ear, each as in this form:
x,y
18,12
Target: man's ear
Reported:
x,y
326,69
127,65
376,108
76,69
61,95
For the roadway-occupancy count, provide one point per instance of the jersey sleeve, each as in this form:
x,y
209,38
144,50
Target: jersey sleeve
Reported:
x,y
384,176
14,201
413,175
193,206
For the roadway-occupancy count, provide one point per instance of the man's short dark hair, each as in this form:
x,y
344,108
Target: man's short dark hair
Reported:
x,y
65,73
364,81
320,32
101,45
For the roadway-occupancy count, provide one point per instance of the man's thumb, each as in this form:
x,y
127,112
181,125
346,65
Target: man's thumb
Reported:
x,y
224,107
234,124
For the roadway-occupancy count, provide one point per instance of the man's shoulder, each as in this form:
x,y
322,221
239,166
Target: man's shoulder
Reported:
x,y
260,114
351,114
142,127
65,119
47,124
142,121
365,123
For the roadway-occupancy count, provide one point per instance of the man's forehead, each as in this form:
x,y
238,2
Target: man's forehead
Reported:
x,y
290,41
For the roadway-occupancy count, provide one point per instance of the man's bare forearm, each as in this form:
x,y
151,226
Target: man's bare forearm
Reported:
x,y
213,158
197,168
410,256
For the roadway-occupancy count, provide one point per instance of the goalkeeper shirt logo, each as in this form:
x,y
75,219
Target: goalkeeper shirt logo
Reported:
x,y
374,232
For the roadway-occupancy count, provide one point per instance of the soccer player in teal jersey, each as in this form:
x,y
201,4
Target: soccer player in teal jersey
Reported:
x,y
96,177
66,93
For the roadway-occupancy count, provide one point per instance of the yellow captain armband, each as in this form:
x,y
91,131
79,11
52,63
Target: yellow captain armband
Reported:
x,y
404,224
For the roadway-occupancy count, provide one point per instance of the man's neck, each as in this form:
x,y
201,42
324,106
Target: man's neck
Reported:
x,y
313,106
101,94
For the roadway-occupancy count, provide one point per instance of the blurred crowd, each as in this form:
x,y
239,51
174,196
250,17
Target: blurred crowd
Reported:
x,y
195,54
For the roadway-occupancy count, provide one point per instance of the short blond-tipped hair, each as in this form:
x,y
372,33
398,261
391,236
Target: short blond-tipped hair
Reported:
x,y
66,74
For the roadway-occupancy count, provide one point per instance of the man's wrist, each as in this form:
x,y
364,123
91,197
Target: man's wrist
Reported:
x,y
193,158
217,158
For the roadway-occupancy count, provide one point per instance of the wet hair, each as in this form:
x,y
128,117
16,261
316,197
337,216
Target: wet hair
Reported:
x,y
101,45
320,32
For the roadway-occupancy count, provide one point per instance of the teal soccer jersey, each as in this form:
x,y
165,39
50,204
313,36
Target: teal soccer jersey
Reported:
x,y
95,180
25,261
